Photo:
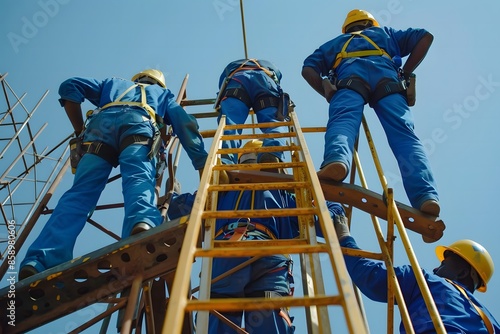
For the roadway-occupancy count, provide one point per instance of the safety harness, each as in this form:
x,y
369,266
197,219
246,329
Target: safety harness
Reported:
x,y
484,317
246,229
243,227
383,88
363,53
261,102
106,151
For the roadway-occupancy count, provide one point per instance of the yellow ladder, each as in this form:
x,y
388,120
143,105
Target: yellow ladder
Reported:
x,y
307,189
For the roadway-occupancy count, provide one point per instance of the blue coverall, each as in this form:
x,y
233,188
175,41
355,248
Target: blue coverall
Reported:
x,y
457,313
270,273
111,125
257,84
346,106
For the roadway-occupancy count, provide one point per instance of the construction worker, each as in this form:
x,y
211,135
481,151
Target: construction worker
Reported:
x,y
252,84
269,276
465,267
124,131
363,65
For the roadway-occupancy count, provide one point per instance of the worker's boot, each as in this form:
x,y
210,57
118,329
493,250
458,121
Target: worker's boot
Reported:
x,y
430,207
335,171
139,228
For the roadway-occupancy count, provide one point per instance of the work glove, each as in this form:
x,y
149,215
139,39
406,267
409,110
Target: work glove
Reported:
x,y
341,226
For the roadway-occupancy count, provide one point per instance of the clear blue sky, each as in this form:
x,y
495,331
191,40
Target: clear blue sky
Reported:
x,y
458,89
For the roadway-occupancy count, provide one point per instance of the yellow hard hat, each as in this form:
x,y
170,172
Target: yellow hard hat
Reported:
x,y
155,75
358,15
475,254
254,143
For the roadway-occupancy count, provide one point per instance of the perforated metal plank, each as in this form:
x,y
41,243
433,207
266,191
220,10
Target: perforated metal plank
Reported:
x,y
356,196
88,279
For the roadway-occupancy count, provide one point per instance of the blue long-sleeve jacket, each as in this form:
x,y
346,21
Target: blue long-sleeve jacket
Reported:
x,y
457,314
162,100
397,43
282,227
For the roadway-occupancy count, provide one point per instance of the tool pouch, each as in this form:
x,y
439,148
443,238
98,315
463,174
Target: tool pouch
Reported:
x,y
411,90
75,152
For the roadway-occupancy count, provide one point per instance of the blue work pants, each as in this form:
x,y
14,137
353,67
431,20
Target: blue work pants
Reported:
x,y
266,274
256,84
345,115
57,239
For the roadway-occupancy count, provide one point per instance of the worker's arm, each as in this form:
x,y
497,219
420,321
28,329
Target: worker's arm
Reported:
x,y
74,112
418,53
322,85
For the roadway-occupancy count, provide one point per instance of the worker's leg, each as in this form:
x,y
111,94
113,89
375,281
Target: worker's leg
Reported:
x,y
236,112
138,183
397,121
268,115
229,287
270,278
345,114
137,170
57,239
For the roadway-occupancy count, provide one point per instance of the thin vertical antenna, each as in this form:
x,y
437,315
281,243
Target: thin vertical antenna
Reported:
x,y
243,28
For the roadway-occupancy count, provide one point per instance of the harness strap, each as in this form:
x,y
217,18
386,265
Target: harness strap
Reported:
x,y
143,104
103,150
135,139
286,317
239,93
265,102
356,84
243,68
362,53
386,87
108,153
242,228
486,320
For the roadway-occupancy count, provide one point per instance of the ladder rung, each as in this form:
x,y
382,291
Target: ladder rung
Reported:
x,y
257,166
257,250
258,136
260,213
261,243
266,149
257,125
260,186
232,304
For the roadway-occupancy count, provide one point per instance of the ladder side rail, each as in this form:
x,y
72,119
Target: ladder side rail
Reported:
x,y
387,252
387,257
317,318
178,302
352,312
358,167
424,289
392,284
208,243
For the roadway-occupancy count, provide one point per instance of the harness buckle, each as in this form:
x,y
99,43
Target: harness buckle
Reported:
x,y
239,223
